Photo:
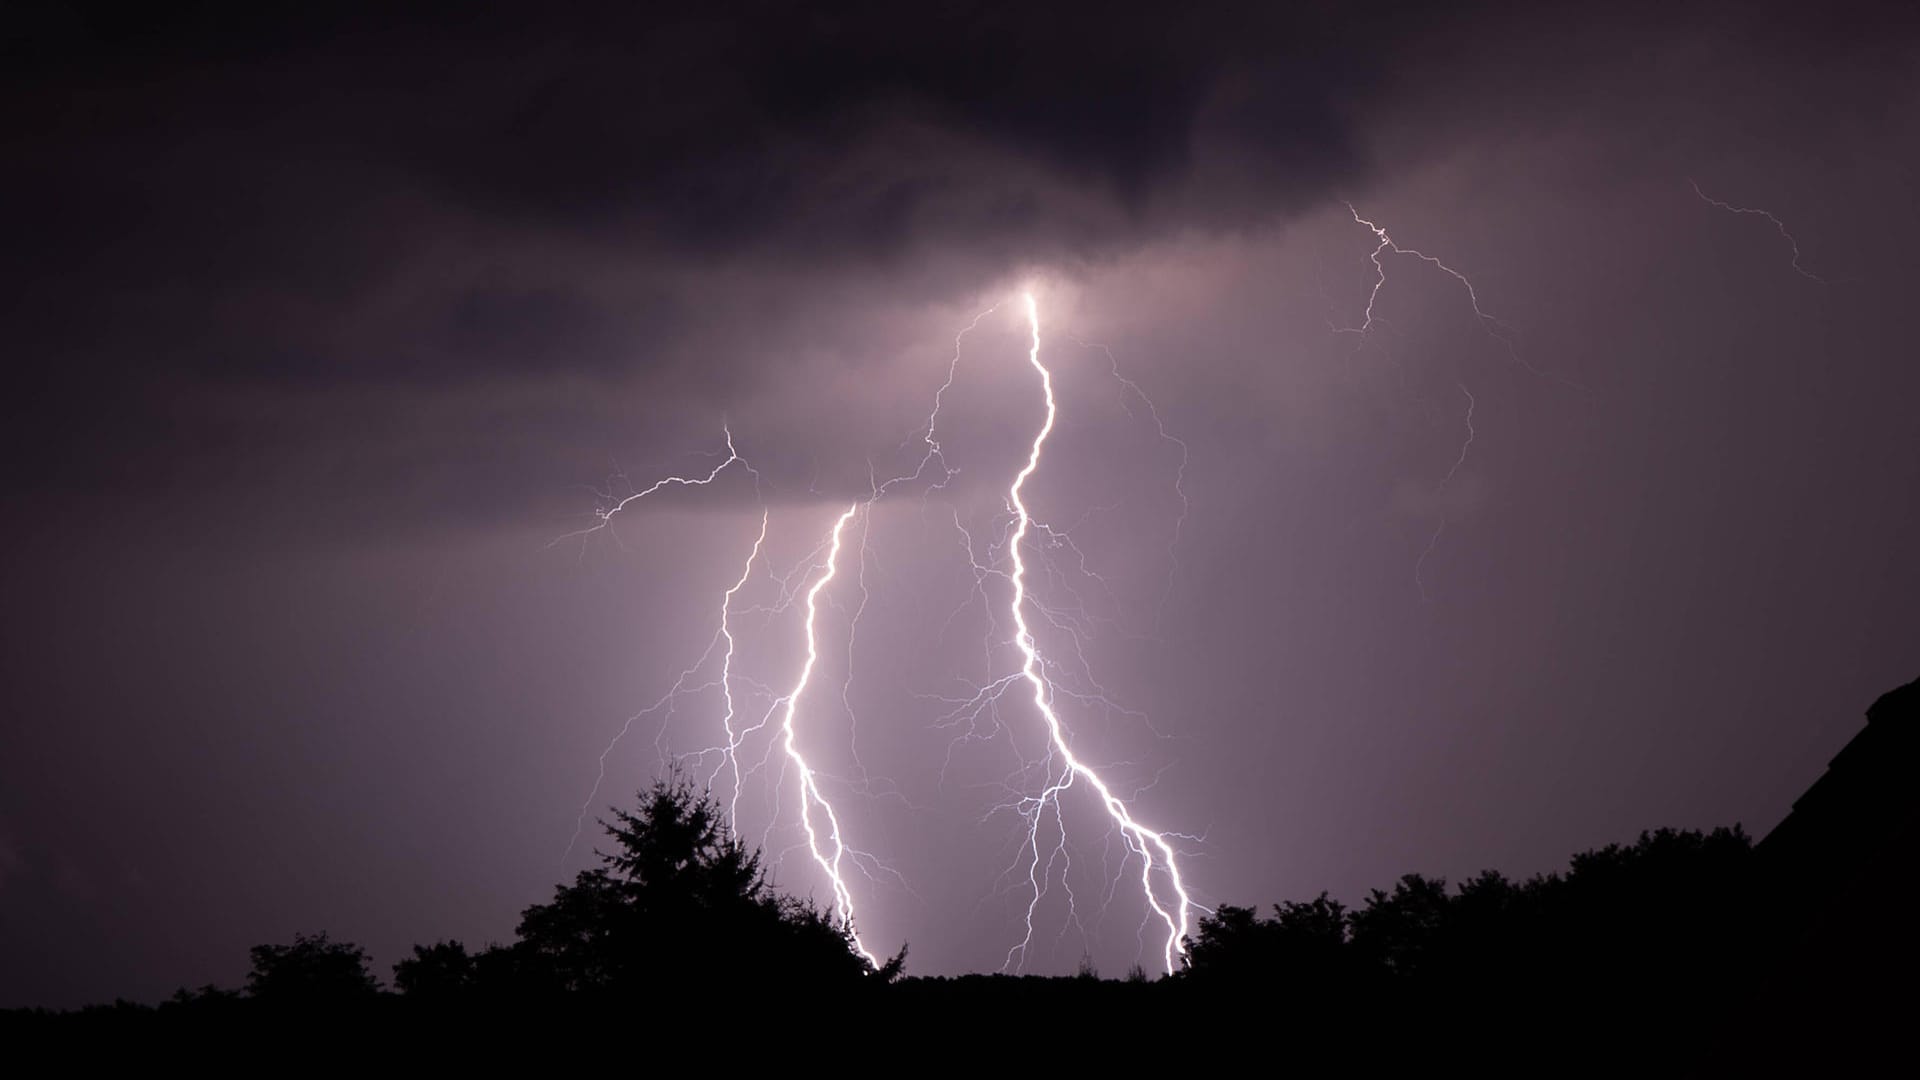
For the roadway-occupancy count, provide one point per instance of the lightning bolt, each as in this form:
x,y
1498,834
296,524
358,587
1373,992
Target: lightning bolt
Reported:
x,y
665,701
1139,839
1495,329
1499,330
604,515
810,794
930,437
732,756
1792,244
877,489
811,583
610,507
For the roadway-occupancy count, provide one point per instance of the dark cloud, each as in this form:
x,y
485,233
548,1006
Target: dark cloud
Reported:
x,y
579,220
286,165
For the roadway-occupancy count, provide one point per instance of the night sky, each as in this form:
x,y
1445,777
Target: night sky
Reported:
x,y
322,330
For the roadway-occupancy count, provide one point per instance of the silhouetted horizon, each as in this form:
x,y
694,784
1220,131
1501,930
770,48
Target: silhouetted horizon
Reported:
x,y
1674,922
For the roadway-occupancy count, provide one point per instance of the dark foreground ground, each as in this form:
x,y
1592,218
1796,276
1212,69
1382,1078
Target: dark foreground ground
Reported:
x,y
1058,1026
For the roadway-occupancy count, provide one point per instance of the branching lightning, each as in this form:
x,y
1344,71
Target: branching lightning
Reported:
x,y
811,797
1143,841
1498,330
810,794
1045,575
731,759
605,513
1792,244
1004,557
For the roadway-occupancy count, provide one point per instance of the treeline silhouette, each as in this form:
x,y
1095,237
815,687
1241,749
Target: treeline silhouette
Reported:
x,y
1700,948
677,901
1672,901
680,907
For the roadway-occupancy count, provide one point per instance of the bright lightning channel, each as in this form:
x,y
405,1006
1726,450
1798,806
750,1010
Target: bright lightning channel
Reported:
x,y
819,820
809,789
1140,839
731,757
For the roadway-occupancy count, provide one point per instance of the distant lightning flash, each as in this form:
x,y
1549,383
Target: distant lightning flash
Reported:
x,y
1439,492
1495,329
1140,839
605,514
1179,475
1500,331
1792,244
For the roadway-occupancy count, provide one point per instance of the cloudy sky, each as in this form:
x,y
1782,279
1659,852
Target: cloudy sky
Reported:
x,y
322,329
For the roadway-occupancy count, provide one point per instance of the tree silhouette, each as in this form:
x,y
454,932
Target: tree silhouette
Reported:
x,y
442,971
1398,931
677,900
1683,952
1307,941
1679,903
314,970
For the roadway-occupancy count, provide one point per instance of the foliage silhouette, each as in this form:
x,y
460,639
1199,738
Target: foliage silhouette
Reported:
x,y
677,899
442,971
1682,904
1308,940
314,970
1684,951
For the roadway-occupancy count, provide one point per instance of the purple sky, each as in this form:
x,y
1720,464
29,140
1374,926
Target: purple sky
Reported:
x,y
323,329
